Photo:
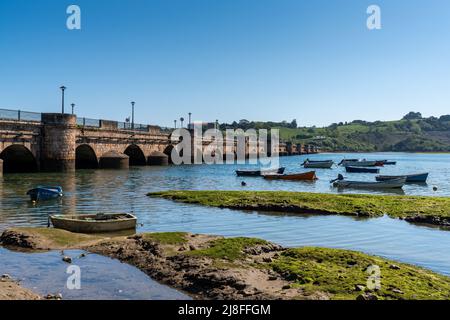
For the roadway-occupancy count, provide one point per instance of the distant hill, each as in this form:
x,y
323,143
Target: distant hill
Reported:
x,y
412,133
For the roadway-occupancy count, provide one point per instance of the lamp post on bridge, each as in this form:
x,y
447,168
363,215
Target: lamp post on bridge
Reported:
x,y
73,107
63,88
189,124
175,123
132,114
181,121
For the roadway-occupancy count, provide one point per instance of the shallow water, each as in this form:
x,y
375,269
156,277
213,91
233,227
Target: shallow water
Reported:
x,y
101,277
124,191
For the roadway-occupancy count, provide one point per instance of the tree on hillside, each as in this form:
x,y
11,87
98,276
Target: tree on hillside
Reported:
x,y
413,116
294,124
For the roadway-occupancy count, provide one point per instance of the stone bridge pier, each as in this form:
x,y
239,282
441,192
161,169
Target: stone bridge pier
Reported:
x,y
58,143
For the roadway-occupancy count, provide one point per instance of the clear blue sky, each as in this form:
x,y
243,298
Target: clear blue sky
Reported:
x,y
228,59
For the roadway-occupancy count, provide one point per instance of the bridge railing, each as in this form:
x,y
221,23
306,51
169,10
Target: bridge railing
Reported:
x,y
18,115
88,122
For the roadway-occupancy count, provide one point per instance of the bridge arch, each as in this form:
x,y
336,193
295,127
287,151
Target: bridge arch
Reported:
x,y
85,157
137,157
18,158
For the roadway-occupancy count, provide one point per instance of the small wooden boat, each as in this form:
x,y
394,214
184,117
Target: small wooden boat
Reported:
x,y
257,173
326,164
94,223
307,176
362,169
45,193
390,184
410,178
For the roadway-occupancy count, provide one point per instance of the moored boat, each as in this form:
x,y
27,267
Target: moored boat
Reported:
x,y
43,193
94,223
306,176
390,184
326,164
358,163
361,169
260,172
388,162
410,178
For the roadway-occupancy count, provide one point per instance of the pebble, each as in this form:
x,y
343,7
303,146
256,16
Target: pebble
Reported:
x,y
359,287
67,259
397,291
53,296
5,277
367,296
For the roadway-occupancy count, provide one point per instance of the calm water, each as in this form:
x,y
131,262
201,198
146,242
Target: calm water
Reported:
x,y
101,277
93,191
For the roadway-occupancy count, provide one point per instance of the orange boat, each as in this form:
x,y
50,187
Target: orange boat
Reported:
x,y
306,176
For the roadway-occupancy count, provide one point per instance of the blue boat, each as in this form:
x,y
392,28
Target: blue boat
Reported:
x,y
410,178
45,193
362,169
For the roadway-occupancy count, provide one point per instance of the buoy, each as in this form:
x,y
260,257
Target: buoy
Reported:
x,y
243,183
435,188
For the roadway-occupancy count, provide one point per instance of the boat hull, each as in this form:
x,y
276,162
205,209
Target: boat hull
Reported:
x,y
258,173
318,165
359,163
411,178
307,176
77,224
361,169
391,184
45,193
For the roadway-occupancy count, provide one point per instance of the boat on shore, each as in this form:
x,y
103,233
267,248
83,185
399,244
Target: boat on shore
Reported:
x,y
258,173
325,164
306,176
340,182
410,178
94,223
43,193
361,169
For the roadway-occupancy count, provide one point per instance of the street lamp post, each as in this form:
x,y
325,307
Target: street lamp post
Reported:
x,y
73,106
181,121
175,123
132,114
189,125
63,88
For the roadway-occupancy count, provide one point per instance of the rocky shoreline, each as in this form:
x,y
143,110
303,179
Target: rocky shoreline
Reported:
x,y
213,267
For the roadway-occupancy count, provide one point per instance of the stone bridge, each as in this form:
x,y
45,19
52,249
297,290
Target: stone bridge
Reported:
x,y
57,143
